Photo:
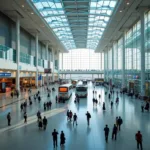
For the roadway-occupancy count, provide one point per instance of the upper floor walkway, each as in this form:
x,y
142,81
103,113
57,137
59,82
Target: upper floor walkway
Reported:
x,y
81,71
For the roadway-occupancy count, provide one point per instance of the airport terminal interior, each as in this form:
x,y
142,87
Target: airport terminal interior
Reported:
x,y
74,66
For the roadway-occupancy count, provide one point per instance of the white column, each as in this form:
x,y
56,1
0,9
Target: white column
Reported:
x,y
53,58
36,49
101,61
142,54
58,63
107,67
47,50
112,64
18,54
62,62
123,62
47,80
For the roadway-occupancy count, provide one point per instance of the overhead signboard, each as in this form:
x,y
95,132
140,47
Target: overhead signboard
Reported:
x,y
47,71
5,74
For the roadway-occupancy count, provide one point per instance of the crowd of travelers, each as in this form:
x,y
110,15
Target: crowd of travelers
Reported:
x,y
73,118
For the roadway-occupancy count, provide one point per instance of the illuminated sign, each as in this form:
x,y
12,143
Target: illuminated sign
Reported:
x,y
63,89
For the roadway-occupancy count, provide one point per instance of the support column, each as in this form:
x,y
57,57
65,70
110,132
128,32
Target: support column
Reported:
x,y
62,62
18,54
58,64
142,54
101,61
112,71
47,78
107,67
123,62
53,58
36,49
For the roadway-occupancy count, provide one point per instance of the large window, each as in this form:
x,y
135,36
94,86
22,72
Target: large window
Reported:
x,y
81,59
132,50
147,41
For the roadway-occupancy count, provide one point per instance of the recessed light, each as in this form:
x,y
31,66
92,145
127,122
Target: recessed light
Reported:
x,y
120,10
23,6
32,13
128,3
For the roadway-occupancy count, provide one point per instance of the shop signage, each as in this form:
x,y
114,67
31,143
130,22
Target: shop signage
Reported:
x,y
5,74
47,71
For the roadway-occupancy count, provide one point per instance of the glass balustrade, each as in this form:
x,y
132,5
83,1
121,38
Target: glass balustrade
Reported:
x,y
7,53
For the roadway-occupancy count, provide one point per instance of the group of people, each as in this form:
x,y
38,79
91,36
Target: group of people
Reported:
x,y
47,105
42,123
70,115
62,138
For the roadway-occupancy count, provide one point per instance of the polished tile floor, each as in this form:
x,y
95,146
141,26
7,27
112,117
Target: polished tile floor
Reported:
x,y
28,137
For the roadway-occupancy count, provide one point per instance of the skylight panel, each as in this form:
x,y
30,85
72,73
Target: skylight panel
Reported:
x,y
93,4
99,23
58,5
45,4
106,3
38,5
54,15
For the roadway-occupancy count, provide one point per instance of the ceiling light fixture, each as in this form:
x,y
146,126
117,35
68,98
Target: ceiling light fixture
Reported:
x,y
120,10
32,13
23,6
128,3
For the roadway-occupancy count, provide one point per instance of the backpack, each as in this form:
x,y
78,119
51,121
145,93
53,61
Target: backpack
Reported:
x,y
89,116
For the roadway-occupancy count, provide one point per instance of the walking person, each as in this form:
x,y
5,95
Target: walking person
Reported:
x,y
99,98
40,123
44,123
111,104
114,132
138,138
75,119
54,134
9,119
44,105
62,138
25,117
12,94
119,122
50,104
68,115
21,107
104,106
88,115
106,131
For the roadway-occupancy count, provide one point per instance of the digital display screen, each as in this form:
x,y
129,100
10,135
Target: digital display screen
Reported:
x,y
63,89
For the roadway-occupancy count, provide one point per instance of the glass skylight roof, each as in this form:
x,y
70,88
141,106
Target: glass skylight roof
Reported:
x,y
100,13
54,14
98,17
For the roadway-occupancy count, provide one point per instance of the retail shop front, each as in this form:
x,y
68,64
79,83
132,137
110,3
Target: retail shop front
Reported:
x,y
7,83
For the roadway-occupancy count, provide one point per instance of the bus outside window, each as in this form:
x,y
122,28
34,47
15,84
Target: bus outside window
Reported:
x,y
81,91
65,91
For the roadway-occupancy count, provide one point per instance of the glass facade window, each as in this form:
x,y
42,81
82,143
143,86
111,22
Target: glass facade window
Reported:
x,y
147,41
132,48
120,49
82,59
115,47
110,59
